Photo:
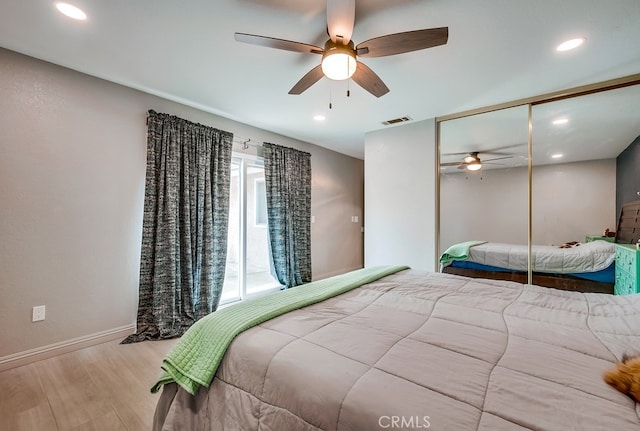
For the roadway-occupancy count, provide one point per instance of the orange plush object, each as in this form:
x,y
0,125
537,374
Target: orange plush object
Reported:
x,y
625,376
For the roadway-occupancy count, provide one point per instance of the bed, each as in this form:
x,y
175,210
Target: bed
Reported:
x,y
600,280
588,267
397,348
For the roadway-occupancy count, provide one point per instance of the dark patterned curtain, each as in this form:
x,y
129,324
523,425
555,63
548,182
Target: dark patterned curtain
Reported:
x,y
184,233
287,174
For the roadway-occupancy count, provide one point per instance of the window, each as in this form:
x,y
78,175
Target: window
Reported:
x,y
248,269
260,202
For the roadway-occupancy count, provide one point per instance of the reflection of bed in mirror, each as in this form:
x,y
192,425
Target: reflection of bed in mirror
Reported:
x,y
587,267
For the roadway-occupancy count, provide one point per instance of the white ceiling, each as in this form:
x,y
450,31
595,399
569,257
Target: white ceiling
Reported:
x,y
498,50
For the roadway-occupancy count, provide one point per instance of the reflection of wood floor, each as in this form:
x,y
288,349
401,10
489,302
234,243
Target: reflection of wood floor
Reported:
x,y
104,387
557,281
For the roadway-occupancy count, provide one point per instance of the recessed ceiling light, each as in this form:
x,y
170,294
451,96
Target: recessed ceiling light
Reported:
x,y
71,11
319,117
571,44
560,121
556,156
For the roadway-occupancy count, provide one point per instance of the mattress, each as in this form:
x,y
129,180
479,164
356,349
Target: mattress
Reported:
x,y
588,257
423,350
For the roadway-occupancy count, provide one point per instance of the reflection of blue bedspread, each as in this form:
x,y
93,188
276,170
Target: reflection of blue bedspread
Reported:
x,y
607,275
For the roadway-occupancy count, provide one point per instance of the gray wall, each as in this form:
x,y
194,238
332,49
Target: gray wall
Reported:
x,y
488,205
628,175
400,199
72,171
573,200
569,202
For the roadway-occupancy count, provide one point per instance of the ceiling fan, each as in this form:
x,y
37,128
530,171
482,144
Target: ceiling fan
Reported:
x,y
339,55
472,161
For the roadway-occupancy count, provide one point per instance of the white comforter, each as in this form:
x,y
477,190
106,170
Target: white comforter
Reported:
x,y
589,257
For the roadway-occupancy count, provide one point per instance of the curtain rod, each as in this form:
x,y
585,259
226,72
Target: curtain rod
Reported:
x,y
246,142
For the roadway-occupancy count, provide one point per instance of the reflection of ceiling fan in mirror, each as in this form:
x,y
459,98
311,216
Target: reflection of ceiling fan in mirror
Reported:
x,y
472,161
339,53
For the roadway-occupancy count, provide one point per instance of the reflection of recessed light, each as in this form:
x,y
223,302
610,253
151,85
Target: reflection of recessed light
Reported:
x,y
556,156
571,44
319,117
71,11
560,121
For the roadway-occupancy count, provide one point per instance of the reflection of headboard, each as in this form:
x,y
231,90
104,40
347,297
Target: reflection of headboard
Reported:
x,y
629,224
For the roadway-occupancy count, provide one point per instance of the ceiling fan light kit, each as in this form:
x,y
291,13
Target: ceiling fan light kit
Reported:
x,y
338,60
339,56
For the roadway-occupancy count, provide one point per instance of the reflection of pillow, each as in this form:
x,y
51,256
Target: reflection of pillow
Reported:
x,y
570,244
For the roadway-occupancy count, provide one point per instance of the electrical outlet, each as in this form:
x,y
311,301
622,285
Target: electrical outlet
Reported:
x,y
38,313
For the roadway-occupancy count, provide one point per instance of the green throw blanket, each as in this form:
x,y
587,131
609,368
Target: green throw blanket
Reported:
x,y
193,361
458,251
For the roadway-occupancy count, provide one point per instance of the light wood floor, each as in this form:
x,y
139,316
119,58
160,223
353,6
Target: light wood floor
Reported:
x,y
104,387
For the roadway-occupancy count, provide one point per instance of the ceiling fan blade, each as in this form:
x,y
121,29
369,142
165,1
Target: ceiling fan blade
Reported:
x,y
494,151
272,42
367,79
464,153
399,43
506,147
497,158
497,151
450,164
308,80
341,15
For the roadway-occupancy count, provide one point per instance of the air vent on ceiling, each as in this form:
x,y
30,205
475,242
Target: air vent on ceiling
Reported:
x,y
397,120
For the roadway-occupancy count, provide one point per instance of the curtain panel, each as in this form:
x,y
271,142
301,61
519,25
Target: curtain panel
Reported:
x,y
184,234
287,174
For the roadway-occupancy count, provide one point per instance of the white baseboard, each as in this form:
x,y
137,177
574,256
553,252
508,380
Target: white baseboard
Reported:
x,y
51,350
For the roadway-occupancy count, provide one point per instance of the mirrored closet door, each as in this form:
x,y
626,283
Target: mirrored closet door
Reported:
x,y
575,147
548,171
576,143
484,178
